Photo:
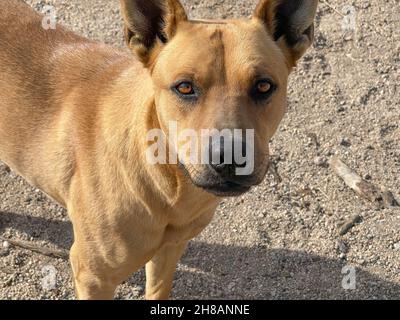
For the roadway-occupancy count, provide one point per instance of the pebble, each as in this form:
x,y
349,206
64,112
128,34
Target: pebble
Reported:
x,y
231,286
320,161
342,247
345,142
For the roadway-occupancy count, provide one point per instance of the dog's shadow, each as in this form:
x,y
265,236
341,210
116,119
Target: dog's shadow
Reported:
x,y
214,271
55,231
233,272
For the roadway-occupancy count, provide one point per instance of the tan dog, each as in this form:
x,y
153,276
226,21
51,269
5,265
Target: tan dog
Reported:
x,y
74,115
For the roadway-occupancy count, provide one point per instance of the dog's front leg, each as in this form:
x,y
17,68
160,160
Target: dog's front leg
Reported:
x,y
93,278
89,285
160,270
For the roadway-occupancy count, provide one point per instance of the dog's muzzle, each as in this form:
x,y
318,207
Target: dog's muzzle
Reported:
x,y
226,175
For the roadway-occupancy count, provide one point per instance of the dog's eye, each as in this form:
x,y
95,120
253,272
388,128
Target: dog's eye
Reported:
x,y
185,88
264,86
263,89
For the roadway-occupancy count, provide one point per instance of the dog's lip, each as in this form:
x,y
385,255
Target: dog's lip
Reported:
x,y
226,189
220,188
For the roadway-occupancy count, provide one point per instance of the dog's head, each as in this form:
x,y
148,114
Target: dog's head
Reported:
x,y
224,82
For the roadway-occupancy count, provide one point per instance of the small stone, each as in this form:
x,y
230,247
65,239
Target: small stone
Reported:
x,y
396,246
231,286
28,200
341,109
345,142
6,244
320,161
9,281
342,247
137,291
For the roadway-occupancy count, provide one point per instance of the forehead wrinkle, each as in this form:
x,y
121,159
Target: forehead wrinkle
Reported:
x,y
217,39
252,54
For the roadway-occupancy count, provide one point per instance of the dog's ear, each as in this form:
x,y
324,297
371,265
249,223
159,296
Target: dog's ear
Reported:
x,y
290,23
150,24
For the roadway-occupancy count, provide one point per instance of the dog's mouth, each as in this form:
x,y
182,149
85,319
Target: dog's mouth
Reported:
x,y
226,189
214,184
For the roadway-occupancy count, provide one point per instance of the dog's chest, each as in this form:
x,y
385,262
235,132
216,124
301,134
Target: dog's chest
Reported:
x,y
187,221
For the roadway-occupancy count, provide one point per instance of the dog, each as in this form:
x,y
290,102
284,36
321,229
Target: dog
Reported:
x,y
75,117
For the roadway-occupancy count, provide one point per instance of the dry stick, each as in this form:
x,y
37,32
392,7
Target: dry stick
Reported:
x,y
54,253
361,187
332,7
350,224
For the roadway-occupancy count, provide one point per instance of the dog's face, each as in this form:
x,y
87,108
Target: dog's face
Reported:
x,y
221,85
228,76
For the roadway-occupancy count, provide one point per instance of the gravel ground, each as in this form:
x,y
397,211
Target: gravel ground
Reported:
x,y
280,241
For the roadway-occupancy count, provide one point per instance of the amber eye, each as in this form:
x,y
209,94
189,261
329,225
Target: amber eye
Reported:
x,y
264,86
263,89
185,88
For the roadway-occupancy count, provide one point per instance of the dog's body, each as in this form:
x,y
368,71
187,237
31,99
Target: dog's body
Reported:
x,y
74,115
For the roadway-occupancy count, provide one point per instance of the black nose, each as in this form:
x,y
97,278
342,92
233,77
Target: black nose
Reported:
x,y
225,161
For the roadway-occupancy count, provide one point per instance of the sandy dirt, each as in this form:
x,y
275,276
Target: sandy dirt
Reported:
x,y
281,240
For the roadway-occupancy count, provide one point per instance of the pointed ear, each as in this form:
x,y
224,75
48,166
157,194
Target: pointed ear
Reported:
x,y
149,24
290,23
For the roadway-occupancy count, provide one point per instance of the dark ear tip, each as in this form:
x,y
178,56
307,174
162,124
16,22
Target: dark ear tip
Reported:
x,y
150,23
295,37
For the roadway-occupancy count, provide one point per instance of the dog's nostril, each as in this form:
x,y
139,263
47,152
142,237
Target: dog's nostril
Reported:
x,y
220,167
224,162
223,167
218,162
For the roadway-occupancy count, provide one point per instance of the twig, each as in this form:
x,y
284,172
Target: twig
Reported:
x,y
361,187
332,7
54,253
350,224
352,58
